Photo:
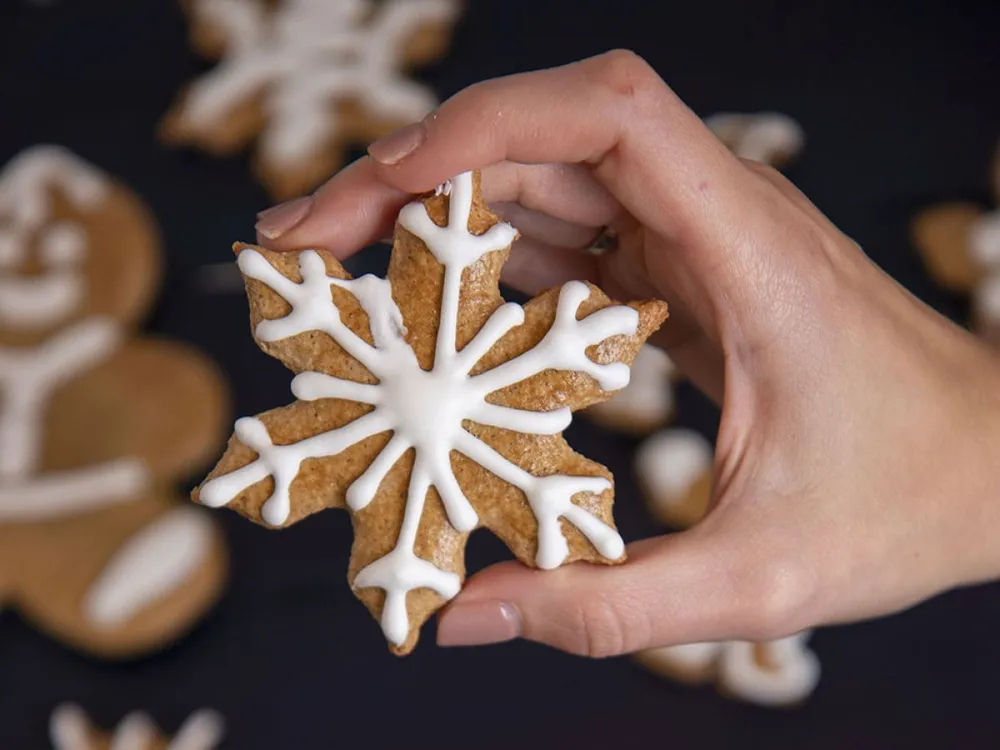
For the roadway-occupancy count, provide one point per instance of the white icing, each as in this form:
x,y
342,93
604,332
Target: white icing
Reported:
x,y
29,376
793,676
984,240
69,729
151,565
986,299
72,491
671,461
425,409
305,55
26,185
760,137
649,396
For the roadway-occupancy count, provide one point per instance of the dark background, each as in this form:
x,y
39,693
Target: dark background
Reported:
x,y
901,107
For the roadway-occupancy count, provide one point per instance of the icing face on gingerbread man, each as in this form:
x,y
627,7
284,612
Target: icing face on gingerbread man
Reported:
x,y
92,425
70,729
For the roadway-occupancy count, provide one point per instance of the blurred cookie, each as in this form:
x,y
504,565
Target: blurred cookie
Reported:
x,y
306,79
95,424
646,403
674,468
768,137
429,407
71,729
775,674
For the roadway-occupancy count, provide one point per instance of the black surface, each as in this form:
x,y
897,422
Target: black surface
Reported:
x,y
900,108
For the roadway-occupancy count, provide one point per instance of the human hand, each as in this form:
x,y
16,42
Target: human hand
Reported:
x,y
855,471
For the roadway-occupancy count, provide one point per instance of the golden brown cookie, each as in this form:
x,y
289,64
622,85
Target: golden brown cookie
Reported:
x,y
776,674
767,137
647,403
428,407
95,425
941,234
306,79
71,729
674,468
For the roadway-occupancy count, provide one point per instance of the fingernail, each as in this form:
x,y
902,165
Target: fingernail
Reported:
x,y
278,220
478,623
396,146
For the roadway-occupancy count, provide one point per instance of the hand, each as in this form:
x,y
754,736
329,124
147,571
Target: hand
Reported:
x,y
856,469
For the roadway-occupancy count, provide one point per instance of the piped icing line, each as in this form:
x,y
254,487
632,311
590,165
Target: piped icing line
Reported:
x,y
304,55
28,378
151,565
424,409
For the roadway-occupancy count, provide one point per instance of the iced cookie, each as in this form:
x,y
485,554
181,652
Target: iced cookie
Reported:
x,y
647,402
674,468
429,407
306,79
960,247
95,424
71,729
779,673
768,137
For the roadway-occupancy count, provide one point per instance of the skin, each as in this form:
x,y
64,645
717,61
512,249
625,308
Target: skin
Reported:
x,y
855,469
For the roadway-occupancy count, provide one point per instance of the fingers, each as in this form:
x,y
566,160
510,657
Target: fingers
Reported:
x,y
545,228
611,112
675,589
534,266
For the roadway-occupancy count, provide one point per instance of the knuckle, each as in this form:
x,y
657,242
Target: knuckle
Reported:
x,y
624,73
598,630
777,596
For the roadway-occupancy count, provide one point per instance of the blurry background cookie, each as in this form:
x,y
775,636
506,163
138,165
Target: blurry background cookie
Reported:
x,y
959,243
646,403
674,469
306,79
95,424
768,137
71,729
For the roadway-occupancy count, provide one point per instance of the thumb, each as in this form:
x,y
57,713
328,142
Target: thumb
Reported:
x,y
673,589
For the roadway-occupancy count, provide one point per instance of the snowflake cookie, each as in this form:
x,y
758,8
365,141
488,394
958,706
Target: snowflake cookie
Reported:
x,y
429,407
71,729
959,243
95,422
309,77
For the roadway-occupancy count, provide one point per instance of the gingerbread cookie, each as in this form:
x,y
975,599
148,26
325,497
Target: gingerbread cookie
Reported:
x,y
779,673
674,468
647,402
307,78
94,426
429,407
71,729
768,137
960,247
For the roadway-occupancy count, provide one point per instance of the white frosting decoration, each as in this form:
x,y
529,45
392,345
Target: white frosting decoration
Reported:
x,y
425,409
791,675
649,395
26,186
301,57
984,240
151,565
986,299
760,137
69,729
671,461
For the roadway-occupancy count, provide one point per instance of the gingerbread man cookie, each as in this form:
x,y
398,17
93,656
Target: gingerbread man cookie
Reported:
x,y
960,246
94,547
429,407
70,729
307,78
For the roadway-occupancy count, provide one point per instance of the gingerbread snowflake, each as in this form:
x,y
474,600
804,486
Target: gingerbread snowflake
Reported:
x,y
428,407
71,729
308,76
